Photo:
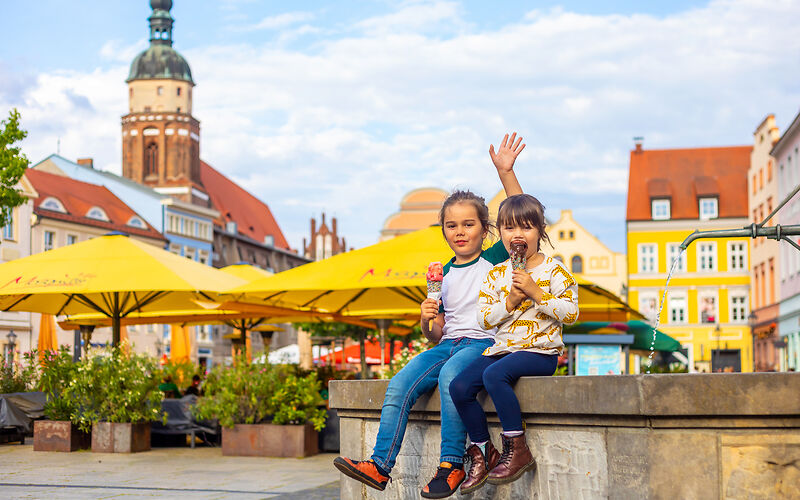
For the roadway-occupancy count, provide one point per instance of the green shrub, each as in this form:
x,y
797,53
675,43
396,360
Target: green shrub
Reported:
x,y
57,370
296,401
115,386
16,376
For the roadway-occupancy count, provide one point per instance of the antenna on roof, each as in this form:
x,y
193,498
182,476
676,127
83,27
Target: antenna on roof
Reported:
x,y
638,140
58,146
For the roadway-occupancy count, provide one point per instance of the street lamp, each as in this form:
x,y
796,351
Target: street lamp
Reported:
x,y
751,319
12,343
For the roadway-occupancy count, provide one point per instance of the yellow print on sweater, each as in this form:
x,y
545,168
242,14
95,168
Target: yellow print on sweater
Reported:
x,y
545,297
568,281
489,298
524,305
486,313
501,270
543,284
570,318
543,316
566,295
531,326
504,291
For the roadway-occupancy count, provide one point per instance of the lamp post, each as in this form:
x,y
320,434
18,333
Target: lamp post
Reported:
x,y
717,331
12,343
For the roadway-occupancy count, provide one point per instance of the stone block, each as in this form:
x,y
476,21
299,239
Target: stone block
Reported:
x,y
682,464
628,470
756,465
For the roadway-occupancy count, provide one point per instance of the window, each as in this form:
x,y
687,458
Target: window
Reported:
x,y
72,239
49,240
648,305
707,257
561,235
677,308
97,213
660,209
577,264
53,204
673,251
708,307
708,208
769,170
136,221
738,307
8,229
151,159
572,235
147,109
179,91
160,90
737,256
761,178
647,258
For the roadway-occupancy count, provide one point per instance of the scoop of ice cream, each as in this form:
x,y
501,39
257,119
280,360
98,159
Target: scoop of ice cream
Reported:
x,y
435,272
519,247
519,251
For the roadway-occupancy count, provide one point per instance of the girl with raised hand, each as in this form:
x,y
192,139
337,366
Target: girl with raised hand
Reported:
x,y
459,338
528,304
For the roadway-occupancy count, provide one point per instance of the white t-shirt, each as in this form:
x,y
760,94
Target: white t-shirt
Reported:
x,y
460,288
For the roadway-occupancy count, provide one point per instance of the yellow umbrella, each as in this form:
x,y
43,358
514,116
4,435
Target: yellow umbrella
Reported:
x,y
387,280
180,344
47,335
112,275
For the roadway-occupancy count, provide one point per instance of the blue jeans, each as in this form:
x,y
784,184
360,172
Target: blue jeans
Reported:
x,y
439,364
497,374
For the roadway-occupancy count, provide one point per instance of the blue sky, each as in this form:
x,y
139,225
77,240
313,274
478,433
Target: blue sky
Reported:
x,y
346,106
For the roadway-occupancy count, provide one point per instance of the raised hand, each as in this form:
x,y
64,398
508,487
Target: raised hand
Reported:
x,y
507,153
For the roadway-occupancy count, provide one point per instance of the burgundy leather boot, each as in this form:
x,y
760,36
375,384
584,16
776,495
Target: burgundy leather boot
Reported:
x,y
480,466
514,461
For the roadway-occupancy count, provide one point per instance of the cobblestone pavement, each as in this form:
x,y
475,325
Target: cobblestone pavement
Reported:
x,y
201,473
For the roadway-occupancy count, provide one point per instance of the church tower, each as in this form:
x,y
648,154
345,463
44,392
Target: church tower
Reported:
x,y
160,137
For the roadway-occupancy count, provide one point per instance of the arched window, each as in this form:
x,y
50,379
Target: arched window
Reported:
x,y
136,221
577,264
97,213
51,203
151,159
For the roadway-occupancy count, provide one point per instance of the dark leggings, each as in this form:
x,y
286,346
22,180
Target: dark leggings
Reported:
x,y
497,374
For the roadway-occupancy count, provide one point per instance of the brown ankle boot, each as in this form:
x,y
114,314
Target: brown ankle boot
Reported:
x,y
480,466
514,461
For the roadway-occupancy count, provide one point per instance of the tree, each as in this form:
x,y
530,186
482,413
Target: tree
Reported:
x,y
13,164
332,329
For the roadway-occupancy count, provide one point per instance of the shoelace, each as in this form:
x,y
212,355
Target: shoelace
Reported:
x,y
508,451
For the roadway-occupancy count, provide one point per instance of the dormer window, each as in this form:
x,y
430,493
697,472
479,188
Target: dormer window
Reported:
x,y
709,208
97,213
137,222
660,209
51,203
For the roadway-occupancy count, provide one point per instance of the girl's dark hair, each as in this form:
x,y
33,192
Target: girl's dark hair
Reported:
x,y
470,198
523,210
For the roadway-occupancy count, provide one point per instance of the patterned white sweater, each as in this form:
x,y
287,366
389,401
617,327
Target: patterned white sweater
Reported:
x,y
530,326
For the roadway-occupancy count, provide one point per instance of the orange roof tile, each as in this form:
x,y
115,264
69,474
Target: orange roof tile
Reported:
x,y
79,197
684,174
252,216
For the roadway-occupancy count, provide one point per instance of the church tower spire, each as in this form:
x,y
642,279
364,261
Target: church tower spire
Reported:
x,y
160,137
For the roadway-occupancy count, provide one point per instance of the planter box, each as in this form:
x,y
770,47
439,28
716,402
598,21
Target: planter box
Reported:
x,y
109,437
269,440
58,435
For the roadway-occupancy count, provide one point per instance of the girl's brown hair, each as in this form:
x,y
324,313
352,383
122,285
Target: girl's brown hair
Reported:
x,y
470,198
523,210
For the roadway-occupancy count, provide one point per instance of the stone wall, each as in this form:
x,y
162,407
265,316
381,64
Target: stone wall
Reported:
x,y
688,436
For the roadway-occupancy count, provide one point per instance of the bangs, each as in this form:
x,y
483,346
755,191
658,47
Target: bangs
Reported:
x,y
521,211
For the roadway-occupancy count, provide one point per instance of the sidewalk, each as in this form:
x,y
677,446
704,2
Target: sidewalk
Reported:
x,y
163,473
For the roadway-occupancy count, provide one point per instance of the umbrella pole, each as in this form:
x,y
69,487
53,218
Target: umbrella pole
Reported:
x,y
115,322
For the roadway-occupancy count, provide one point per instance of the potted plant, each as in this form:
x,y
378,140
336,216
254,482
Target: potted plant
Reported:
x,y
58,433
264,410
117,397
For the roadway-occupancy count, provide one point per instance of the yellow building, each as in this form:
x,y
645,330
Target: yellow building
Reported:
x,y
419,209
580,250
670,194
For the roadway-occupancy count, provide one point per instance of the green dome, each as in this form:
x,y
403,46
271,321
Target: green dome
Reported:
x,y
160,61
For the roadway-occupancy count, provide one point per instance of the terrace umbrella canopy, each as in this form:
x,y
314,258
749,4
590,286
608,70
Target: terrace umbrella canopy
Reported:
x,y
47,336
112,275
387,280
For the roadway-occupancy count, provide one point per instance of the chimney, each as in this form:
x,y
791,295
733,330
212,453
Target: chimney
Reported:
x,y
313,228
333,226
323,219
86,162
638,141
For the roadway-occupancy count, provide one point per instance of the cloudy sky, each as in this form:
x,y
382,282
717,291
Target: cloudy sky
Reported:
x,y
343,107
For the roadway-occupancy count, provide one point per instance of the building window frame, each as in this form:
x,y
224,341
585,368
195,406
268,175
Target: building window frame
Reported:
x,y
737,256
707,257
9,230
647,257
660,209
678,308
48,240
648,304
738,307
708,207
673,250
708,306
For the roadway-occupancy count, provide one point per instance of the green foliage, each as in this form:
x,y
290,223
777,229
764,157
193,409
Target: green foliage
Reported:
x,y
250,393
12,165
561,370
16,376
675,367
57,370
180,372
115,387
333,329
296,401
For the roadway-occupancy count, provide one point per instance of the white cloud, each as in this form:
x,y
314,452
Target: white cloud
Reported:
x,y
117,51
363,116
277,22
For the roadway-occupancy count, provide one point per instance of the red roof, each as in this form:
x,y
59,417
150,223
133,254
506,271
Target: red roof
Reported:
x,y
79,197
252,216
684,175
